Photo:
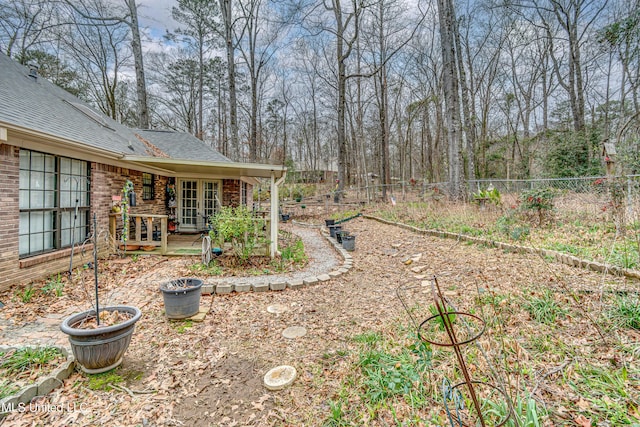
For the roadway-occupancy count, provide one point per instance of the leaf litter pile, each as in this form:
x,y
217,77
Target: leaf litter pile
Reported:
x,y
551,338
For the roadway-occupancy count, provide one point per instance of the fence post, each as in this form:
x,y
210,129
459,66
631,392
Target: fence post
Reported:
x,y
629,199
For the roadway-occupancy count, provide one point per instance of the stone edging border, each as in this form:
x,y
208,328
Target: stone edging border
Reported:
x,y
42,386
281,285
558,256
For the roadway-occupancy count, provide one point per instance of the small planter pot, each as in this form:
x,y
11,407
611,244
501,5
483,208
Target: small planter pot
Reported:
x,y
329,222
181,297
333,229
100,349
349,243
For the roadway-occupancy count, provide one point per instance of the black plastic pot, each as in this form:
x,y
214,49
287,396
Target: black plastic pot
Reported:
x,y
329,222
341,235
181,297
100,349
349,243
333,229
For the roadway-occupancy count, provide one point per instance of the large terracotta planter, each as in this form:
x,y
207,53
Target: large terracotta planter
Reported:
x,y
100,349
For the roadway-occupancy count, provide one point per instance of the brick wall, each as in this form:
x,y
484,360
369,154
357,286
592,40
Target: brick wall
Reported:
x,y
9,225
230,192
106,181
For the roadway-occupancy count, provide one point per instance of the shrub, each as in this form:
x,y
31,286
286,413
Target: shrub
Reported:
x,y
239,227
538,202
491,194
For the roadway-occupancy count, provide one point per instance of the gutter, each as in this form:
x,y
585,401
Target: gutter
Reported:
x,y
63,142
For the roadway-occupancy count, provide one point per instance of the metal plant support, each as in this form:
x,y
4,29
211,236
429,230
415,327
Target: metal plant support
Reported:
x,y
95,265
453,394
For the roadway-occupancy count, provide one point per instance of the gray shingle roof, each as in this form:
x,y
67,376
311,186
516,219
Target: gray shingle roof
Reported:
x,y
181,145
39,105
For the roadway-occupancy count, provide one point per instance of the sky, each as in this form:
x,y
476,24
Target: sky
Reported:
x,y
155,16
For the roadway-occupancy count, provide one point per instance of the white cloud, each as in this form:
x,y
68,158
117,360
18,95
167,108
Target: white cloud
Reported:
x,y
156,15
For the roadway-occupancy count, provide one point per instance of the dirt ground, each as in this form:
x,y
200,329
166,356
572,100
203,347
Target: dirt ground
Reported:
x,y
210,373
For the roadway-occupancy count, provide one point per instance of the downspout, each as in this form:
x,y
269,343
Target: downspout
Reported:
x,y
275,217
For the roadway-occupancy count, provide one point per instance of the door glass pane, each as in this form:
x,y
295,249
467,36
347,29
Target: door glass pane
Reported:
x,y
189,214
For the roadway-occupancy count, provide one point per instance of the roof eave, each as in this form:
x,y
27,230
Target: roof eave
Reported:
x,y
233,169
76,145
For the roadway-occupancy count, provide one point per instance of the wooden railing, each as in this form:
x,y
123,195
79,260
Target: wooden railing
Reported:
x,y
135,220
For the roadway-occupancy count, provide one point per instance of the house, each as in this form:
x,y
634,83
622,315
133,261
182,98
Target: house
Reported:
x,y
61,162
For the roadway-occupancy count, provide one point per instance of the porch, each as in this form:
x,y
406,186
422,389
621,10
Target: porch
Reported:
x,y
148,235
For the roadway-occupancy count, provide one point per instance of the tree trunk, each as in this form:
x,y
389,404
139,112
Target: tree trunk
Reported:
x,y
227,18
141,85
447,26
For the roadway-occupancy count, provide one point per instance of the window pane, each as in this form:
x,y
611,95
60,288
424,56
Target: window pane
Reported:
x,y
37,161
37,180
24,199
37,199
65,166
23,245
77,167
49,163
65,228
24,179
49,199
25,157
65,199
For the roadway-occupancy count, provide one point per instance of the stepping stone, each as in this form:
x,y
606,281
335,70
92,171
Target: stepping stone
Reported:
x,y
277,308
293,332
200,315
279,377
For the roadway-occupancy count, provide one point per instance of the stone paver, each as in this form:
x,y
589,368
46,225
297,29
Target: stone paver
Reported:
x,y
242,287
278,286
260,287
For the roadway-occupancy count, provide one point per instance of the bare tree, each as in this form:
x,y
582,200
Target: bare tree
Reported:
x,y
198,17
257,46
448,30
25,24
228,21
128,17
99,49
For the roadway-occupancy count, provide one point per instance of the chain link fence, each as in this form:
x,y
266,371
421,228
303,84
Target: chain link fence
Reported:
x,y
594,194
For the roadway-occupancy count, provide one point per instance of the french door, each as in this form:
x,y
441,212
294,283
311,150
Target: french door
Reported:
x,y
198,200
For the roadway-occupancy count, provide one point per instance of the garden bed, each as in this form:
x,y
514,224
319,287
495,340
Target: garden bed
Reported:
x,y
28,372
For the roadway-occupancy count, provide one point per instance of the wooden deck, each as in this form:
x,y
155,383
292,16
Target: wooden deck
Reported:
x,y
177,245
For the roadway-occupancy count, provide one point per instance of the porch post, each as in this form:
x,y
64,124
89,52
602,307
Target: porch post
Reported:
x,y
273,248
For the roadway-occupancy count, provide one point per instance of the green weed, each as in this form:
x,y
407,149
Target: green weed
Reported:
x,y
7,388
55,285
25,359
607,391
104,381
625,312
182,326
336,417
211,269
526,412
26,294
545,309
295,252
